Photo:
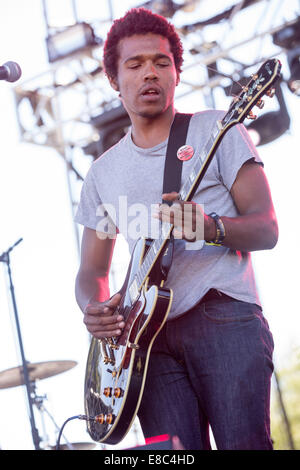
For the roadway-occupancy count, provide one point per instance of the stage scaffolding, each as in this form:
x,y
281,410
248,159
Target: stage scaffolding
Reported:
x,y
60,107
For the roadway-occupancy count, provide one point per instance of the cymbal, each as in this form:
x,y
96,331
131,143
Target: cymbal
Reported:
x,y
40,370
75,446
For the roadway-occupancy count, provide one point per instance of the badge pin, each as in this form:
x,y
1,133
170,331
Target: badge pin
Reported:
x,y
185,152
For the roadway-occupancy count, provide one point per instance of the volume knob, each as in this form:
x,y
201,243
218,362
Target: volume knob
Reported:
x,y
107,391
118,392
110,418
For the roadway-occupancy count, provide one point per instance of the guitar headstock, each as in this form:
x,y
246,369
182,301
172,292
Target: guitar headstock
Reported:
x,y
260,84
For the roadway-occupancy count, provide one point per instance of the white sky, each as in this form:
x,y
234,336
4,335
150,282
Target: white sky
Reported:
x,y
34,205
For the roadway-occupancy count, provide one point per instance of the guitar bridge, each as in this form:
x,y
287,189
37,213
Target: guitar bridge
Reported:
x,y
111,344
107,352
108,360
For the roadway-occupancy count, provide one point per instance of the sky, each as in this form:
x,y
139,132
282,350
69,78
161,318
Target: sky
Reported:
x,y
35,206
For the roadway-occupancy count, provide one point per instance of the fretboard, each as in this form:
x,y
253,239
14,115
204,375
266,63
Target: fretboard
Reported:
x,y
187,190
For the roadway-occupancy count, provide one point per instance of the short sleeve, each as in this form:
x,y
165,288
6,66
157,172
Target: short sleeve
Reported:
x,y
235,149
91,212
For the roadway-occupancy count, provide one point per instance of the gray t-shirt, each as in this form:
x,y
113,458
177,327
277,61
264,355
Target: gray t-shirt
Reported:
x,y
124,183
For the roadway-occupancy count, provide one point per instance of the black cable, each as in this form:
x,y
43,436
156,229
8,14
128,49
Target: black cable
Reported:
x,y
86,418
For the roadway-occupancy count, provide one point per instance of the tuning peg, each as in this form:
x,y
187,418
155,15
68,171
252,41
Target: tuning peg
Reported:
x,y
251,115
271,92
260,104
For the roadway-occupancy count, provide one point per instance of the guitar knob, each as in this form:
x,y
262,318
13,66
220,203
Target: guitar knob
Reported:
x,y
107,391
100,418
109,418
251,115
118,392
260,104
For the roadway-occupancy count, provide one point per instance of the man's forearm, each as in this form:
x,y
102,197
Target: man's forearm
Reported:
x,y
249,232
91,286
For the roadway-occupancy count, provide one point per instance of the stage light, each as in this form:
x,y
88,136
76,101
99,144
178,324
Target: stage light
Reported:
x,y
110,126
70,40
289,38
168,8
94,148
271,125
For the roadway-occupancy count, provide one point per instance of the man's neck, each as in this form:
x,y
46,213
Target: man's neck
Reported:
x,y
149,132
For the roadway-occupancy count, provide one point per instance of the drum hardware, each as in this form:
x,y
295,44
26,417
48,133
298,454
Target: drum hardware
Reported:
x,y
5,258
28,373
38,401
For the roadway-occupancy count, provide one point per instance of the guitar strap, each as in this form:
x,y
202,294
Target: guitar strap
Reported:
x,y
172,176
173,166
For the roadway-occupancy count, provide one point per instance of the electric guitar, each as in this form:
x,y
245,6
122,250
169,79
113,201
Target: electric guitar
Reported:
x,y
117,367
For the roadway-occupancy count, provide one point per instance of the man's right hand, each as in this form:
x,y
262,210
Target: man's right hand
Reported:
x,y
100,320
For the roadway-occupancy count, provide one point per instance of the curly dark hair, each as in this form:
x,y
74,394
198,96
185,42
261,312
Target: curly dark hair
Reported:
x,y
139,21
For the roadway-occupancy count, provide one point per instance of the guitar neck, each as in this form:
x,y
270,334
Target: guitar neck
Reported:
x,y
201,164
186,193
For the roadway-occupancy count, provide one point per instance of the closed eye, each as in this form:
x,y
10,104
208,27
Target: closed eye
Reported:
x,y
134,66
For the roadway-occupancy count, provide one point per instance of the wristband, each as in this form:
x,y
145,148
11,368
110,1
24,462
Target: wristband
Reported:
x,y
218,241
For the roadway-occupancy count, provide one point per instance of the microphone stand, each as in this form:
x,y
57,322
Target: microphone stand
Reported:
x,y
4,258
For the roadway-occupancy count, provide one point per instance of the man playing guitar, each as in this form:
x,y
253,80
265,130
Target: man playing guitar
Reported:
x,y
211,362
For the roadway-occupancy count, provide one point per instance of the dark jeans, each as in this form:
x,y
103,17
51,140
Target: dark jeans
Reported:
x,y
211,366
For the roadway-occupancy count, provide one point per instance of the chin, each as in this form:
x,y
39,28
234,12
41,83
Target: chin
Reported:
x,y
151,113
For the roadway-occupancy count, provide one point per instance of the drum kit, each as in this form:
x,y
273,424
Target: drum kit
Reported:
x,y
42,370
28,373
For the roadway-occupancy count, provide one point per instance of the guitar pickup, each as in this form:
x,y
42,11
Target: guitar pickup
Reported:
x,y
134,291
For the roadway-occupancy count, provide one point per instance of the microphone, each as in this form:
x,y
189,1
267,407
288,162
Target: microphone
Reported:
x,y
10,71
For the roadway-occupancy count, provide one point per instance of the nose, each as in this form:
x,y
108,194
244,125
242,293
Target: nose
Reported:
x,y
150,72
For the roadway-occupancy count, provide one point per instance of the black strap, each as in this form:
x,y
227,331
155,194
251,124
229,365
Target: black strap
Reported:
x,y
172,176
173,166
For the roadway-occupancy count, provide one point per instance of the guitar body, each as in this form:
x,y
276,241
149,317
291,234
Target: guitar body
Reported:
x,y
116,368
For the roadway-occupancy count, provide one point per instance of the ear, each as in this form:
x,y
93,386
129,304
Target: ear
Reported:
x,y
177,78
113,83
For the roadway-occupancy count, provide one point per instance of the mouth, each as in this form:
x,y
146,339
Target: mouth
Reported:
x,y
150,93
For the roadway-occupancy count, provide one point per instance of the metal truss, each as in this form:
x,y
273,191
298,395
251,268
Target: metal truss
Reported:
x,y
61,107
